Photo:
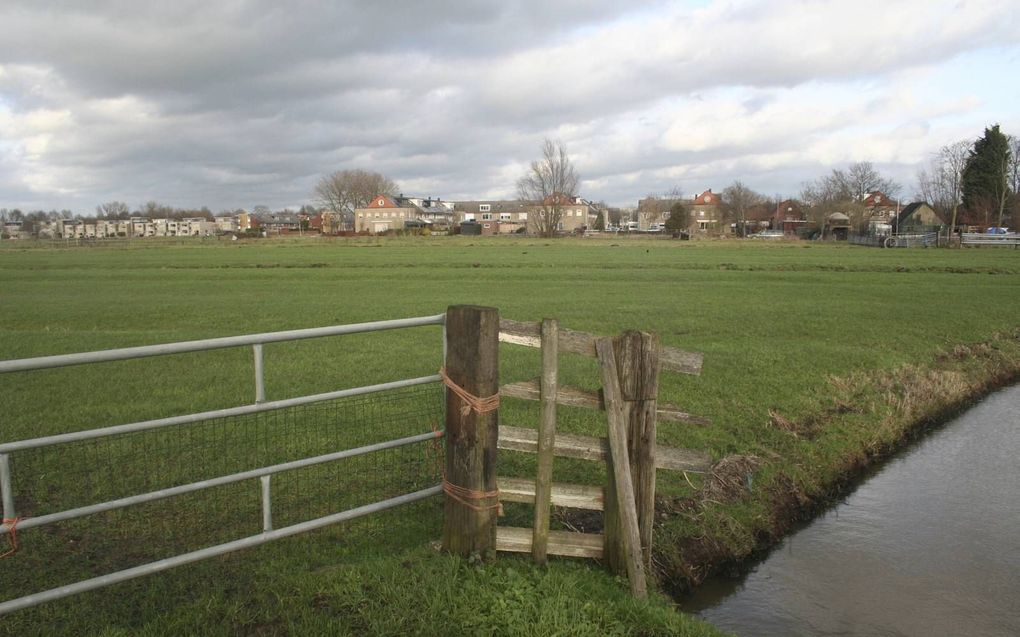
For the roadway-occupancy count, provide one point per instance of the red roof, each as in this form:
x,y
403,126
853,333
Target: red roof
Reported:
x,y
708,198
789,209
877,200
383,201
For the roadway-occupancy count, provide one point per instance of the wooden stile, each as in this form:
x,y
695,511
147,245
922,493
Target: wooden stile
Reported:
x,y
573,397
637,359
566,543
529,335
628,542
575,496
546,439
592,448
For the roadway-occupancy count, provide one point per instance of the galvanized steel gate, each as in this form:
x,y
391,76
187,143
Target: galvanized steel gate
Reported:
x,y
264,474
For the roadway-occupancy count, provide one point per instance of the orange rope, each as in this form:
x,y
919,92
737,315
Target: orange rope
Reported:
x,y
479,406
471,402
13,522
462,495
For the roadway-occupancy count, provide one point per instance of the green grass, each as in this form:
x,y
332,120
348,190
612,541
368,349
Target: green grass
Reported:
x,y
776,323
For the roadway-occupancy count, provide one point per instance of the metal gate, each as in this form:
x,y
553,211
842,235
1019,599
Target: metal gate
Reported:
x,y
262,476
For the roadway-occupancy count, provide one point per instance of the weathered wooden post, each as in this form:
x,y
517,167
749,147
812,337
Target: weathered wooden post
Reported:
x,y
637,361
549,386
637,357
625,545
472,378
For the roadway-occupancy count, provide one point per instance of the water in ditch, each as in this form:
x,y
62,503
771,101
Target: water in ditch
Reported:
x,y
929,545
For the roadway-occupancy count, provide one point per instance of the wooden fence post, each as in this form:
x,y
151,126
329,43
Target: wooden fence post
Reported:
x,y
627,544
546,439
637,359
472,363
637,363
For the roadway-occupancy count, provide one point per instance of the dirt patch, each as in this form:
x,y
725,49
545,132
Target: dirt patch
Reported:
x,y
731,478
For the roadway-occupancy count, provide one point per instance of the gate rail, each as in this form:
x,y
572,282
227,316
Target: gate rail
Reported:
x,y
11,522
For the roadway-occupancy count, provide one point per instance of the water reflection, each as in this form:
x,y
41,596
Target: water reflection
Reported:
x,y
930,545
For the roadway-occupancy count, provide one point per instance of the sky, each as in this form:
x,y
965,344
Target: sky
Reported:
x,y
241,103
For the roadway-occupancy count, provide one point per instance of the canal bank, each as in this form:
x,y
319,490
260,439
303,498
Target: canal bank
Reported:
x,y
925,546
752,502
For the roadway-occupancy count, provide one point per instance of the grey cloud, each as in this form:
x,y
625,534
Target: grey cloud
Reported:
x,y
247,102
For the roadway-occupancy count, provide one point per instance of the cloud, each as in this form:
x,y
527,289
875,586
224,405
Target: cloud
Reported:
x,y
233,104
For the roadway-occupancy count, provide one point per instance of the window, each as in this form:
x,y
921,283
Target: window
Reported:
x,y
701,213
484,207
522,216
470,216
487,216
504,216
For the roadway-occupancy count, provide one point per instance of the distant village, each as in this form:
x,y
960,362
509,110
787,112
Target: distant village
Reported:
x,y
706,214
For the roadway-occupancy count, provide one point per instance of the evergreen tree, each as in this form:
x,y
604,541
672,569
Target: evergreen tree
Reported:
x,y
985,183
679,219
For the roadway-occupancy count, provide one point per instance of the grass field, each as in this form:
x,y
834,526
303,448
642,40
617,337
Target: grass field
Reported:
x,y
817,358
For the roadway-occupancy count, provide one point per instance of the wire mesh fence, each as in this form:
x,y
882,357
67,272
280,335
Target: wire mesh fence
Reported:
x,y
51,479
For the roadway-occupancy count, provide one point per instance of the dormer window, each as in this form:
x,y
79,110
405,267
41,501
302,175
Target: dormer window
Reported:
x,y
484,207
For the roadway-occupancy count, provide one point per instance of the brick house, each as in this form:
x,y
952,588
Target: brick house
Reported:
x,y
385,213
706,212
494,216
789,216
575,213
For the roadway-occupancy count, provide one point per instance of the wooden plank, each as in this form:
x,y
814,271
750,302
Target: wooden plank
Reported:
x,y
546,439
575,496
469,524
518,540
567,445
528,335
673,413
591,448
637,358
625,505
574,397
566,396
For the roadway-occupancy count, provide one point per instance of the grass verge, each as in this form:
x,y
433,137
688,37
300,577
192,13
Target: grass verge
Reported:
x,y
819,360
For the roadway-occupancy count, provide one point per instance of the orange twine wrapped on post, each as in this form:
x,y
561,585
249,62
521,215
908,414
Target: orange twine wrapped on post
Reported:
x,y
479,406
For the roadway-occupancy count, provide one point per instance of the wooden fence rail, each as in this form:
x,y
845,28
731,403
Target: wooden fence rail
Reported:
x,y
629,369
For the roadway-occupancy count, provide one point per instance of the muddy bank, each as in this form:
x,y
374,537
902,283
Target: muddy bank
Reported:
x,y
868,417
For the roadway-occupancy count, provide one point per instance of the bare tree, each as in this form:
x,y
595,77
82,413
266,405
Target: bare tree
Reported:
x,y
738,200
844,190
549,185
651,210
941,184
345,190
855,183
113,210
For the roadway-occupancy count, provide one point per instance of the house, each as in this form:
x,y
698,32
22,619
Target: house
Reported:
x,y
576,213
879,211
654,210
789,217
226,225
706,212
285,222
918,217
758,217
11,230
332,222
494,216
385,213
